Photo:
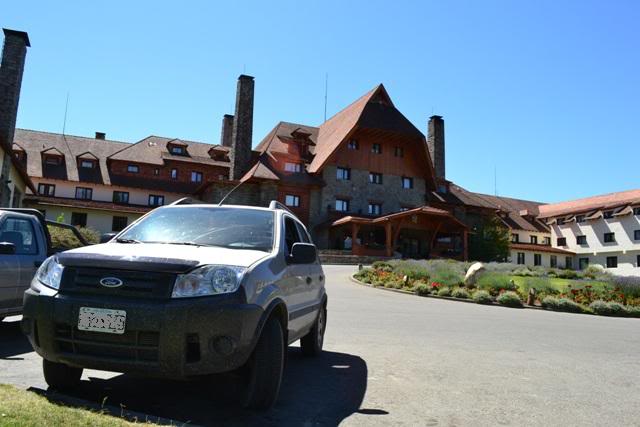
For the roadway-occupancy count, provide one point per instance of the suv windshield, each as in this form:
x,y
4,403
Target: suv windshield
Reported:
x,y
206,226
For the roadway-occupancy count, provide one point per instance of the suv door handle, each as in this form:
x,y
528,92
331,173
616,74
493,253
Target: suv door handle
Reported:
x,y
309,280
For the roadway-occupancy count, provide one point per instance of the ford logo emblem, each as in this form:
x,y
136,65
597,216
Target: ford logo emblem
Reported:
x,y
111,282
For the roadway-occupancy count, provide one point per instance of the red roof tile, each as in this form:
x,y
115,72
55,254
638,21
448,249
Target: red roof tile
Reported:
x,y
605,201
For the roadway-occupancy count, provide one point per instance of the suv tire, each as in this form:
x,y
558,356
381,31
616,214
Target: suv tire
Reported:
x,y
265,367
60,376
311,344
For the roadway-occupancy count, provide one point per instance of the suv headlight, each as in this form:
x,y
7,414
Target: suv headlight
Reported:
x,y
208,280
49,273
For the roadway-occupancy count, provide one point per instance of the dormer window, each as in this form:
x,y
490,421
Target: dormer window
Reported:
x,y
53,160
353,144
87,164
293,167
177,150
133,168
177,147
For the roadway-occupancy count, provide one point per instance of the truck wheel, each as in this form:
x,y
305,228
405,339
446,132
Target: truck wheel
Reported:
x,y
311,344
265,367
60,376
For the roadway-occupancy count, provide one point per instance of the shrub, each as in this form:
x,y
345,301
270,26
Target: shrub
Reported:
x,y
366,275
482,297
422,289
509,299
444,292
412,269
567,274
460,293
604,308
570,306
633,311
382,266
448,277
542,286
394,284
629,286
550,303
496,282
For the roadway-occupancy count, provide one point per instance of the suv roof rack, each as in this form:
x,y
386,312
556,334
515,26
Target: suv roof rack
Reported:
x,y
277,205
185,201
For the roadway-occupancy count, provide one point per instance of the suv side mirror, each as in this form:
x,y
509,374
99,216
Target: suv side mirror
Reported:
x,y
7,248
303,253
106,237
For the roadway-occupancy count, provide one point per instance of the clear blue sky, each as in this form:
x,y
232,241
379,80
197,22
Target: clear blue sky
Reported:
x,y
547,92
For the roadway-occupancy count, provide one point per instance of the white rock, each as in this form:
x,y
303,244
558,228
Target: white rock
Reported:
x,y
474,271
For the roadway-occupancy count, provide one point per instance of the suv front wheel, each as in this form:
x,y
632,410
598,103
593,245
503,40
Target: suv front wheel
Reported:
x,y
311,344
265,367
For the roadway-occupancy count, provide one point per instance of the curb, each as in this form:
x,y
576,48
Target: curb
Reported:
x,y
467,300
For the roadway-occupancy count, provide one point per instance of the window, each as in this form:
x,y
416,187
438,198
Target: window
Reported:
x,y
515,238
292,167
553,261
609,237
119,223
583,263
534,240
53,160
568,262
608,214
79,219
636,211
84,193
636,235
520,257
581,240
19,232
342,205
560,221
612,262
302,232
196,176
375,208
156,171
353,145
407,182
580,218
133,168
174,173
156,200
177,150
546,241
292,200
120,197
88,164
375,178
47,189
562,241
291,235
637,260
399,152
343,174
404,208
376,149
537,259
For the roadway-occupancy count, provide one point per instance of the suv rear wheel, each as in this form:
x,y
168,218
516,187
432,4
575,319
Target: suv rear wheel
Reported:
x,y
60,376
265,367
311,344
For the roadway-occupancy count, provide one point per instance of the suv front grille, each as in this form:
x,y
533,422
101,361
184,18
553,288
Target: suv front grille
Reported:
x,y
145,284
132,346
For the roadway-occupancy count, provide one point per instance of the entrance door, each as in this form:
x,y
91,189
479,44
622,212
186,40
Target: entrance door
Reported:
x,y
410,248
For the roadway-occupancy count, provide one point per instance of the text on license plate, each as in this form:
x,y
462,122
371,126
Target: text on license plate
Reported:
x,y
102,320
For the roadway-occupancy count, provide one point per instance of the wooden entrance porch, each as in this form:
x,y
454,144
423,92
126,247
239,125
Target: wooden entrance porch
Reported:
x,y
423,232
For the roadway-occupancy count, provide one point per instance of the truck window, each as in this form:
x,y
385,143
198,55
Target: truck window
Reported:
x,y
290,233
19,232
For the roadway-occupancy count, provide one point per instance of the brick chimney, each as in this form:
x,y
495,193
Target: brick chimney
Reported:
x,y
241,137
14,52
435,143
227,130
101,135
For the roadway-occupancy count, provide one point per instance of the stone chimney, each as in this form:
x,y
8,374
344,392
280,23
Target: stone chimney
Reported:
x,y
241,136
435,143
101,135
227,130
14,52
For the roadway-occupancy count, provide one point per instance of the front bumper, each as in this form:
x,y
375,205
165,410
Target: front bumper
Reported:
x,y
169,338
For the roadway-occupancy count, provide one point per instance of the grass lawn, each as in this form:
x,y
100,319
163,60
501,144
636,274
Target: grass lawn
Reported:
x,y
562,284
22,408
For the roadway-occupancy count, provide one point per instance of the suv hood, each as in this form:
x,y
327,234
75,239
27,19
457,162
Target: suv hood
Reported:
x,y
158,256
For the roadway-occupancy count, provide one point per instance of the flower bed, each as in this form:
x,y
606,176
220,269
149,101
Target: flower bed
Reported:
x,y
588,292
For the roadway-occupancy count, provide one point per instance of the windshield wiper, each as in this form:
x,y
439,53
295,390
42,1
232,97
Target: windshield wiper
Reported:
x,y
124,240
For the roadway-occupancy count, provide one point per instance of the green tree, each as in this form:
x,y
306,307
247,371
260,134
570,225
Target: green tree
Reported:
x,y
490,242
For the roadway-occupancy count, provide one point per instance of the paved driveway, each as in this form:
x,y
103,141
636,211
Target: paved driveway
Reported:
x,y
401,360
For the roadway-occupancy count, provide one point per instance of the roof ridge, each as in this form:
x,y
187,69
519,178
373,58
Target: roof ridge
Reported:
x,y
73,136
367,94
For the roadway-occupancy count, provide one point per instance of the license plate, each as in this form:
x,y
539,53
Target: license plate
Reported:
x,y
102,320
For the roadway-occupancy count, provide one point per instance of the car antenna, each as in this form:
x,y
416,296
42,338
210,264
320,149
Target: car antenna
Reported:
x,y
230,192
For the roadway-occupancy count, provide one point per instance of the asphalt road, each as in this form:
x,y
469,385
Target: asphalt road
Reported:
x,y
394,359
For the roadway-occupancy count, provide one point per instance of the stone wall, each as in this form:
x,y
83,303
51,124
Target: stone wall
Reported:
x,y
242,135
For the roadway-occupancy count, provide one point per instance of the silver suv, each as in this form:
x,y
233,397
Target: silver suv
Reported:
x,y
186,290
